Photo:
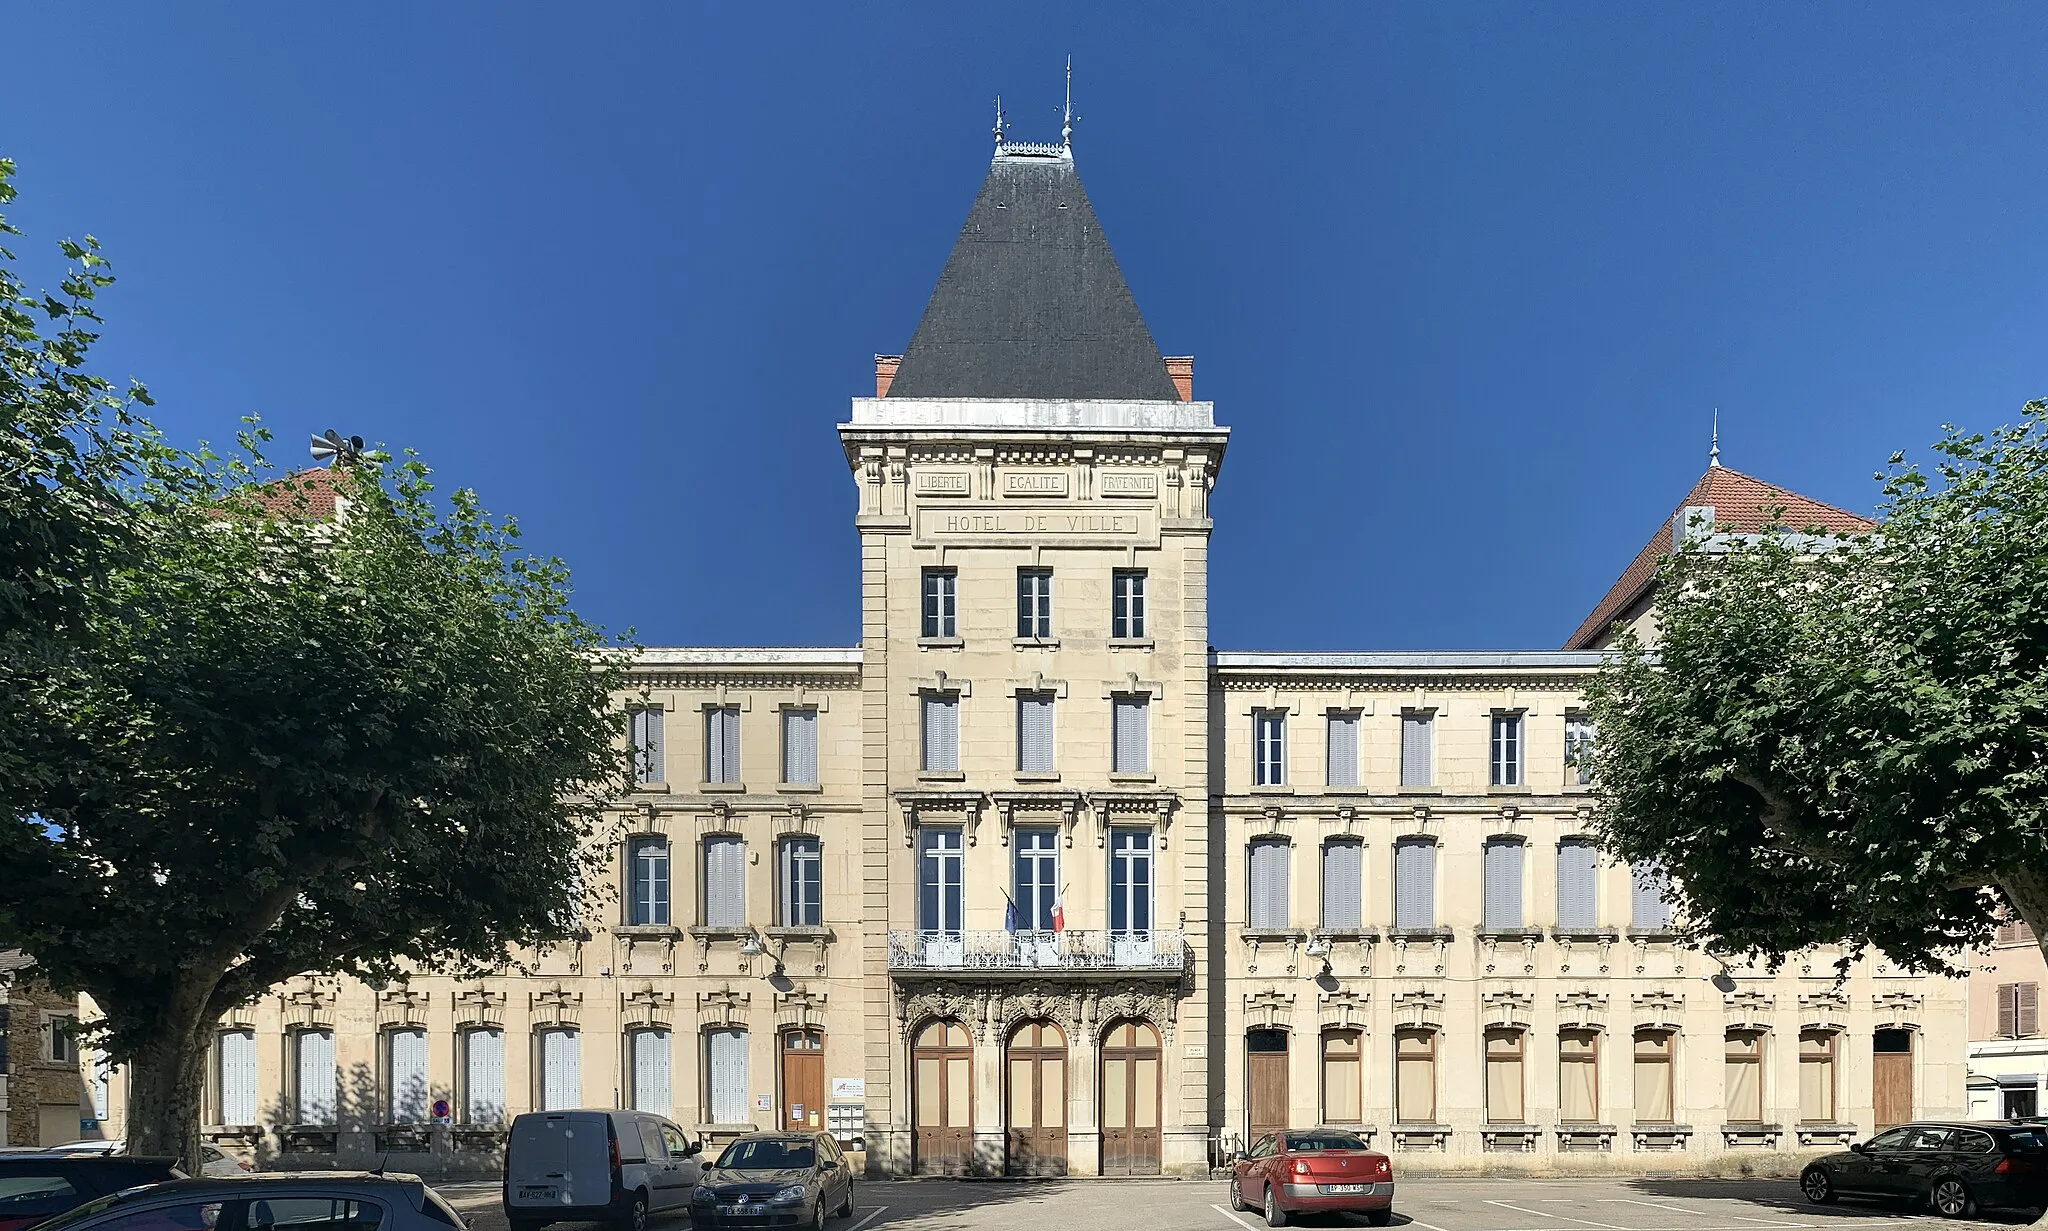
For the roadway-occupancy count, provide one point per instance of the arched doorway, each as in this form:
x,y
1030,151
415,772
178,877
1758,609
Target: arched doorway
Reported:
x,y
1130,1099
803,1081
942,1099
1035,1093
1265,1063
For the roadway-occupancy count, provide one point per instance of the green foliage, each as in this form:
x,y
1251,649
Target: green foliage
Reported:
x,y
1847,741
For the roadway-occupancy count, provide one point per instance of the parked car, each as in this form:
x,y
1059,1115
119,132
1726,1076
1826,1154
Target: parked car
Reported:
x,y
597,1164
775,1179
36,1185
212,1162
304,1201
1957,1168
1315,1170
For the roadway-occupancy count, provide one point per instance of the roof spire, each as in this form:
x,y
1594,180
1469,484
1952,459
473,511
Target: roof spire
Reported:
x,y
999,121
1067,112
1714,453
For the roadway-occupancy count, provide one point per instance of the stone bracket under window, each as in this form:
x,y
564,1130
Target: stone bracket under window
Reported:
x,y
961,808
1420,951
1827,1134
816,938
1290,939
1509,1138
1064,807
1584,947
1122,807
1585,1138
1421,1138
1666,1137
1506,951
1751,1136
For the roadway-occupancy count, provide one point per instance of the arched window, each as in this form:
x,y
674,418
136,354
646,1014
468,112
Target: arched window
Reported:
x,y
1744,1087
1415,1075
1578,1076
1504,1076
1653,1076
1343,1077
405,1075
1501,896
1817,1076
1578,899
1415,884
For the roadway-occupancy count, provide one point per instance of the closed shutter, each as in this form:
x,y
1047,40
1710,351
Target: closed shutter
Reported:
x,y
728,1069
1342,762
651,1091
722,744
647,745
561,1059
1577,904
316,1077
238,1077
800,747
1415,749
1647,908
1502,907
1034,733
1269,884
408,1073
1415,885
2008,1010
942,732
1131,752
2028,1010
486,1077
1343,886
725,882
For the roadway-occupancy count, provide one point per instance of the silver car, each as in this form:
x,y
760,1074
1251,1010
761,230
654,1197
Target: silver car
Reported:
x,y
301,1201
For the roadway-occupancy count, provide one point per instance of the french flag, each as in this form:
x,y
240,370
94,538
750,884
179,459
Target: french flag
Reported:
x,y
1059,911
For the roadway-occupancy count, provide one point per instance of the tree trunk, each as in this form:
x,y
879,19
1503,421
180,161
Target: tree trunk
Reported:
x,y
166,1096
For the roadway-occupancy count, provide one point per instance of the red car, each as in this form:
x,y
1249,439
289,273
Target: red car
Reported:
x,y
1313,1171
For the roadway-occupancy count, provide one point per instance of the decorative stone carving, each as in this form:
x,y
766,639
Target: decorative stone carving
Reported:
x,y
647,1005
1519,960
1024,1002
1266,1009
1582,1008
479,1006
1574,956
1897,1009
399,1004
307,1001
1342,1009
1823,1010
555,1006
916,1006
799,1008
725,1007
1136,1001
1419,1007
1748,1008
1507,1008
1660,1007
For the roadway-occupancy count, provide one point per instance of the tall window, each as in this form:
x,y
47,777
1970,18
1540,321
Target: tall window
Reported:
x,y
1577,885
1343,885
2019,1015
1505,759
1649,907
1269,747
1340,760
800,747
725,881
1417,753
1578,1076
405,1070
1127,604
1037,878
800,875
939,724
648,760
647,879
60,1044
1745,1076
1268,882
483,1065
1504,1076
1415,1076
1653,1076
939,873
235,1056
1501,901
940,602
1130,745
561,1069
725,1072
317,1078
1034,733
1343,1077
722,743
649,1051
1130,880
1578,749
1817,1076
1034,602
1414,884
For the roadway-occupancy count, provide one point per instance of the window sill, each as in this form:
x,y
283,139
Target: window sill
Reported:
x,y
803,934
940,775
1024,777
721,931
1585,933
1349,935
650,788
648,931
1130,643
1665,935
799,788
1510,790
1512,933
1418,790
721,788
1278,788
1265,934
1137,777
1347,788
1414,934
941,643
1036,643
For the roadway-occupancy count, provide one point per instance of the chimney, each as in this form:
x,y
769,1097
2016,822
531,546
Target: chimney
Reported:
x,y
1180,369
885,373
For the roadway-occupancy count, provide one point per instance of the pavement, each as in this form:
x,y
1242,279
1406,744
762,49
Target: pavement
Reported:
x,y
1425,1204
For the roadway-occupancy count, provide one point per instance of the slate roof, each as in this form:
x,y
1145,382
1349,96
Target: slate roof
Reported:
x,y
1745,505
1031,303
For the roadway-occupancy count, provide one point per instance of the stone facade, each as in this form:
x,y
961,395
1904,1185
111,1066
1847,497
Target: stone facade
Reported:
x,y
39,1071
2008,1050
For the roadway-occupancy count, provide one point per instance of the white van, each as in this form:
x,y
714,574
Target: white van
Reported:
x,y
614,1165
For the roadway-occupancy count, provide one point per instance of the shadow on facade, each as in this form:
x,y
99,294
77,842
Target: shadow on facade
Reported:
x,y
358,1136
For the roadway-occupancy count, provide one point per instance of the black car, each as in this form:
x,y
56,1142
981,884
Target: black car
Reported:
x,y
1957,1168
37,1185
774,1180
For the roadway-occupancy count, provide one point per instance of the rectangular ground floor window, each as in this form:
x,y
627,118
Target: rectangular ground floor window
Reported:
x,y
1343,1085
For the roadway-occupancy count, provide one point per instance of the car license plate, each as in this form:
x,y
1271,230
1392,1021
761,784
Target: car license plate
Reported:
x,y
1346,1188
742,1211
544,1192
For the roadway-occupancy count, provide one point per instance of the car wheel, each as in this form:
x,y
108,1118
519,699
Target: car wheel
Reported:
x,y
1951,1198
1237,1196
818,1214
1275,1216
1819,1189
636,1214
845,1209
1378,1218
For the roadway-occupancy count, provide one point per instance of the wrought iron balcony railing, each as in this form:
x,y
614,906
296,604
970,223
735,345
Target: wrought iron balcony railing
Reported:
x,y
1075,949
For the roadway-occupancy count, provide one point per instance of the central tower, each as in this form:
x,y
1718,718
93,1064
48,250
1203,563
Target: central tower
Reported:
x,y
1033,481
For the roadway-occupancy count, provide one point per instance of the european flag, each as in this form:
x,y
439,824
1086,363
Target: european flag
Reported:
x,y
1010,915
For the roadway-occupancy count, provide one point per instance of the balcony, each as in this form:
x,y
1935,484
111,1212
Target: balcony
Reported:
x,y
1072,952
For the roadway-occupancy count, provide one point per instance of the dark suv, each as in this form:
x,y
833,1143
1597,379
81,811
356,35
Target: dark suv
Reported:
x,y
1955,1167
35,1185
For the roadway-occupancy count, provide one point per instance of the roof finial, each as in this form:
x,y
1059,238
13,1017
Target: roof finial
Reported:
x,y
1714,453
999,120
1067,112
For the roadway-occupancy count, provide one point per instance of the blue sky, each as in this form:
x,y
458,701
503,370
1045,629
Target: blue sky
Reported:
x,y
1467,281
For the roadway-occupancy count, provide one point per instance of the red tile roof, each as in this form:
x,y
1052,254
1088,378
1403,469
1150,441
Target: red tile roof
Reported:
x,y
1741,503
310,494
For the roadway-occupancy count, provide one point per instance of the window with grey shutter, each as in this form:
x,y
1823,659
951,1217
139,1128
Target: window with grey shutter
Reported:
x,y
1414,884
237,1064
1501,897
1341,763
726,1069
650,1050
722,744
317,1077
1130,746
800,747
561,1069
648,757
1343,885
725,882
1648,908
1034,733
1416,754
485,1064
1268,881
405,1070
1506,759
1577,903
941,731
1269,747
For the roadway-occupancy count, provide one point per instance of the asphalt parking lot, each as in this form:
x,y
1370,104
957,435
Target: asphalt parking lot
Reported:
x,y
1429,1204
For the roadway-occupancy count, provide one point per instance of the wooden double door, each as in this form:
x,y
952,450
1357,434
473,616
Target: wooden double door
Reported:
x,y
1130,1100
1035,1093
803,1081
942,1100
